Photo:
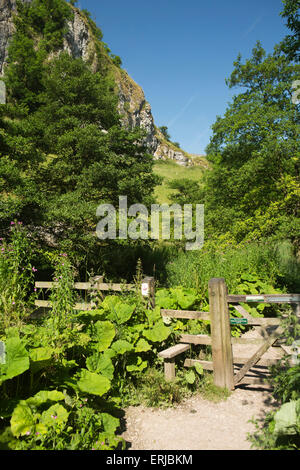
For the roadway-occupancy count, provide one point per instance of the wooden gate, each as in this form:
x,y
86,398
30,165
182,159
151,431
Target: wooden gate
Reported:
x,y
229,370
223,358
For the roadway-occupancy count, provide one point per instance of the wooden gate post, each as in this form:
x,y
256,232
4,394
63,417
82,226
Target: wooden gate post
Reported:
x,y
148,289
220,334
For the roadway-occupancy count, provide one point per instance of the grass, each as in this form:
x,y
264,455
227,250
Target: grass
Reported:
x,y
170,171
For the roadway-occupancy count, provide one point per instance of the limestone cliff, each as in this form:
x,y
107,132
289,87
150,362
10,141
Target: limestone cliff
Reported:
x,y
81,41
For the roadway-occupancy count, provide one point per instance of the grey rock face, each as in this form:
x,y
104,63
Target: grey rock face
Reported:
x,y
133,107
164,152
7,7
77,38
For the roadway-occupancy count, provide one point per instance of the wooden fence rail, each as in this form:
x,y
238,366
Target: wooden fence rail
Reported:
x,y
94,285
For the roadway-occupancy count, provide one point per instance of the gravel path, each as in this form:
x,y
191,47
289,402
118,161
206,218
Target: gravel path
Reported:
x,y
198,424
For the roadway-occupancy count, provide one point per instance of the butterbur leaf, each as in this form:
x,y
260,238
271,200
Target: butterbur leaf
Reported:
x,y
40,358
158,333
185,297
190,377
101,363
153,315
287,418
199,368
44,396
104,333
164,299
56,415
123,312
110,301
121,346
110,423
17,359
90,382
136,364
22,421
142,346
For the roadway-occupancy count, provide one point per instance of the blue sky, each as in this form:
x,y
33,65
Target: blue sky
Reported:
x,y
180,53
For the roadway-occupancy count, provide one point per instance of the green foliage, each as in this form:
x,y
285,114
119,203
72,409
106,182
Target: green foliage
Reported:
x,y
195,269
16,276
256,138
43,19
291,43
64,151
165,133
17,359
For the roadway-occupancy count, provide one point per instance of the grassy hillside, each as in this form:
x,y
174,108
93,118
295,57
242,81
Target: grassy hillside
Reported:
x,y
170,170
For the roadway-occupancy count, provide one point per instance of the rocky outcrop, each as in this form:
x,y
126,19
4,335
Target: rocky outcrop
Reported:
x,y
165,152
80,42
6,28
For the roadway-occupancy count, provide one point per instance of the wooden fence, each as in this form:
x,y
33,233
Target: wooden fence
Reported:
x,y
95,285
223,363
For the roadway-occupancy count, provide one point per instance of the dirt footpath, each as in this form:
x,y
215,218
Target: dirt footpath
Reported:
x,y
198,424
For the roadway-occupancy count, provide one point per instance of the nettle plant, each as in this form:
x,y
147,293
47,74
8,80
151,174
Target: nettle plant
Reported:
x,y
16,276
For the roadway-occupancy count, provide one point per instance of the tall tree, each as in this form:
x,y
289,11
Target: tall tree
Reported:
x,y
63,150
253,189
291,44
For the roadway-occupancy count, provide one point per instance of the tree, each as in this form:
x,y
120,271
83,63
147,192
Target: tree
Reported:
x,y
253,188
165,133
291,44
44,19
63,150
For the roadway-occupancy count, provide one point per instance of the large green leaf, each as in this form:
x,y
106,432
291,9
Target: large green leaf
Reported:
x,y
22,421
17,359
123,312
101,363
190,377
158,333
40,358
110,423
110,301
199,368
185,300
153,315
121,346
142,346
287,419
104,332
136,364
55,416
90,382
164,299
44,396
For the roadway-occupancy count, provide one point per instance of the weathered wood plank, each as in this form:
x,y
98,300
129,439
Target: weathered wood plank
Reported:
x,y
87,286
257,341
77,306
115,287
195,339
209,365
169,369
256,321
173,351
266,298
254,381
189,314
262,362
257,355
